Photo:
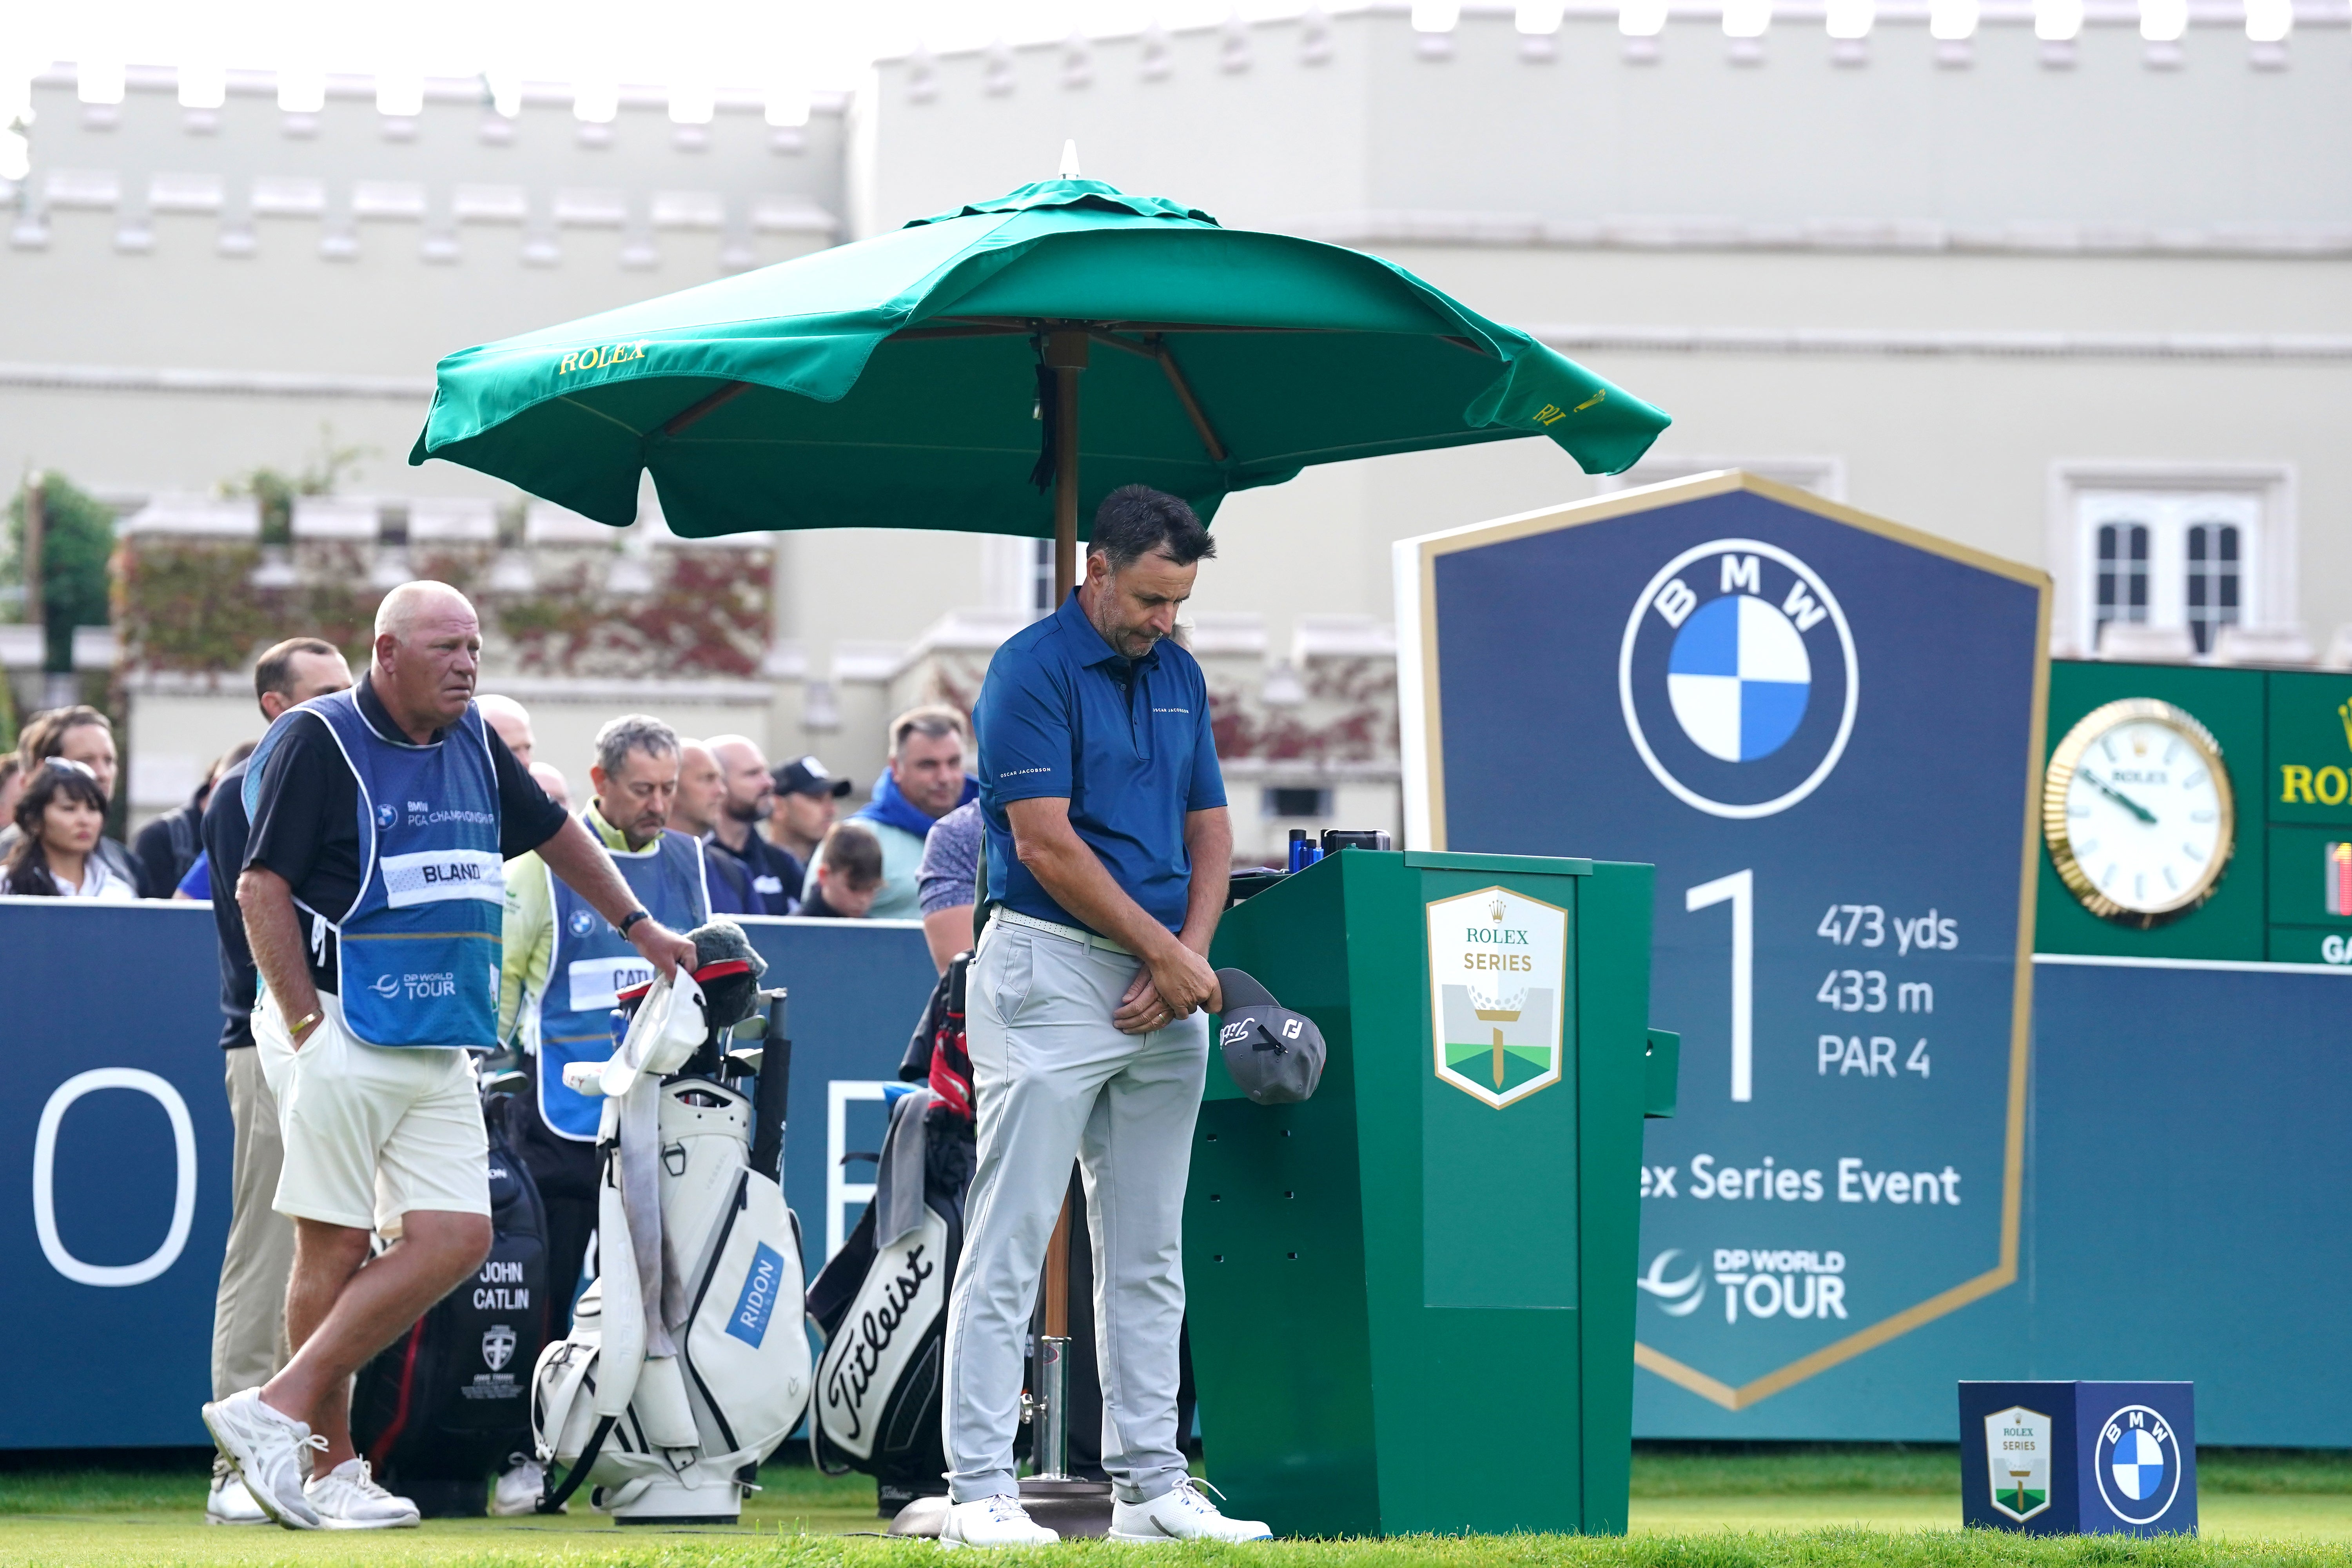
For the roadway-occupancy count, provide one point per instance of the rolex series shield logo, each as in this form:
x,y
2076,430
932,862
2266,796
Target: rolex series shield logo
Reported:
x,y
2017,1458
1498,980
1737,678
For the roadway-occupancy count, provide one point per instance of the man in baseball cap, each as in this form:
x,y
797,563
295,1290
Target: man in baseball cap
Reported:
x,y
804,807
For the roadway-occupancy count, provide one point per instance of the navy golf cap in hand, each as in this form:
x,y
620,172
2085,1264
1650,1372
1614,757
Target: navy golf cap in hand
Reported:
x,y
1274,1055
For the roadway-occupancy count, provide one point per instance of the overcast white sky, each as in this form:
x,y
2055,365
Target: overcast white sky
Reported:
x,y
815,44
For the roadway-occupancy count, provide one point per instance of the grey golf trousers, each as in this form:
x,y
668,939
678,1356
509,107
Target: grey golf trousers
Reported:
x,y
1054,1080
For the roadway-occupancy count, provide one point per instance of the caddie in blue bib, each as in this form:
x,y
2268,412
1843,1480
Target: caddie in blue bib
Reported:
x,y
594,963
418,950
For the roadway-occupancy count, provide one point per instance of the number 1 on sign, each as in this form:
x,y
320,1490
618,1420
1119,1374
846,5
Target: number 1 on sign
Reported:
x,y
1739,891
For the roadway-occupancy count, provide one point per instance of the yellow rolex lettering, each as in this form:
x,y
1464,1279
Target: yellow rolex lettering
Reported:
x,y
571,363
2294,784
1550,414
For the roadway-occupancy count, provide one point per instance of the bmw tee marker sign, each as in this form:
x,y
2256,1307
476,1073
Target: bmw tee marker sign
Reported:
x,y
1825,732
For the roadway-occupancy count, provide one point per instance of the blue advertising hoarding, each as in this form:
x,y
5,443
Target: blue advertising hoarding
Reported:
x,y
1824,729
114,1131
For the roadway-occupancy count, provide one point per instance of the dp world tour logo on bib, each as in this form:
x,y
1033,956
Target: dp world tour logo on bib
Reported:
x,y
1737,678
2138,1464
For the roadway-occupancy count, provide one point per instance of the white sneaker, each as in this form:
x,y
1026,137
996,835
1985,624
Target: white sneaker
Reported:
x,y
270,1450
347,1498
229,1502
993,1521
1181,1513
519,1488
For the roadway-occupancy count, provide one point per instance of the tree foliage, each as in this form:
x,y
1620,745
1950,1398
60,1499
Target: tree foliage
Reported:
x,y
77,537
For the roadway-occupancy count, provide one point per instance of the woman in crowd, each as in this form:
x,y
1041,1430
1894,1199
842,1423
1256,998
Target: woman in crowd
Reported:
x,y
56,855
78,734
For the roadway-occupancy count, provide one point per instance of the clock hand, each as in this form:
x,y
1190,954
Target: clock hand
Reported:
x,y
2117,796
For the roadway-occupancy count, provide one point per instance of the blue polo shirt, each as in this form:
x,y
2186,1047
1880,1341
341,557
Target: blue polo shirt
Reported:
x,y
1126,741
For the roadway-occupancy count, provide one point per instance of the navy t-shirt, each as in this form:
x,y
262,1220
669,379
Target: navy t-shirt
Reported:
x,y
1126,741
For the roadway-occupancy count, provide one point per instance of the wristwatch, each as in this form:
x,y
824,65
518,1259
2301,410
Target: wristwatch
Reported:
x,y
632,918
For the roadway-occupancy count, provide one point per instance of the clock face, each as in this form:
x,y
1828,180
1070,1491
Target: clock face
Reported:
x,y
2137,811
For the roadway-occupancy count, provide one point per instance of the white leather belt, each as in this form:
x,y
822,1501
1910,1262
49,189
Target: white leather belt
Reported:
x,y
1052,927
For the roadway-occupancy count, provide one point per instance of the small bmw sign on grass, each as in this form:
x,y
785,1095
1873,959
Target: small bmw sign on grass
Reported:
x,y
2091,1458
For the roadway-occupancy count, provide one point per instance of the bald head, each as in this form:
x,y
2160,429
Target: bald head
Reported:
x,y
701,792
428,655
512,720
751,787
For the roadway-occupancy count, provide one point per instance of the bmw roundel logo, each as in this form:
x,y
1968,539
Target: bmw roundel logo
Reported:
x,y
1737,678
386,815
2137,1462
583,921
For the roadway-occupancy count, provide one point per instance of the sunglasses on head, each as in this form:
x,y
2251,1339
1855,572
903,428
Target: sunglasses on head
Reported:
x,y
68,766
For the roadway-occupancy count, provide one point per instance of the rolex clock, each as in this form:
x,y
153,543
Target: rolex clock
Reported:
x,y
2137,811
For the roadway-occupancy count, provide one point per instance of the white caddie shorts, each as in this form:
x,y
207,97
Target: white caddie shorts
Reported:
x,y
372,1131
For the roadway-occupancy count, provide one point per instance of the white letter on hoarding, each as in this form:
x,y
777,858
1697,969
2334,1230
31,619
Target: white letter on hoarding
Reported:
x,y
1740,888
44,1153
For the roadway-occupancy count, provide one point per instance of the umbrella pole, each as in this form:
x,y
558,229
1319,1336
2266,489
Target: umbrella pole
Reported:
x,y
1066,356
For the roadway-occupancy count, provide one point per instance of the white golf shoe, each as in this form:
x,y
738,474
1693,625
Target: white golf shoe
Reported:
x,y
993,1521
227,1503
270,1450
519,1488
1182,1513
347,1498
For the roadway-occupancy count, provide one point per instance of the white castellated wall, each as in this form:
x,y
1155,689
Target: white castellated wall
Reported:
x,y
1977,265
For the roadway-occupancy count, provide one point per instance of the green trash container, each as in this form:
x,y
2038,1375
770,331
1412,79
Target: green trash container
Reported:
x,y
1412,1297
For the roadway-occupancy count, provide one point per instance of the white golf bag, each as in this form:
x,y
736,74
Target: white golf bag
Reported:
x,y
687,1361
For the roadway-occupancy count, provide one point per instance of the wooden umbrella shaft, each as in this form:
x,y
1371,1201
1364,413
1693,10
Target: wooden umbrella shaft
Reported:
x,y
1066,353
1058,1276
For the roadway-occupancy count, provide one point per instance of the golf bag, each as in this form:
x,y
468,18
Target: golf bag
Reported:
x,y
687,1363
880,1304
439,1408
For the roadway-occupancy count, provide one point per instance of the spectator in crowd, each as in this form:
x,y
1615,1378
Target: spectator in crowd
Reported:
x,y
701,797
512,720
196,881
12,785
249,1341
562,966
58,818
948,882
379,1108
925,782
550,779
804,808
80,734
848,877
776,874
168,845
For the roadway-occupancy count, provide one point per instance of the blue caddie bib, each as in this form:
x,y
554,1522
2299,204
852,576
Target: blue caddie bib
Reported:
x,y
418,950
593,963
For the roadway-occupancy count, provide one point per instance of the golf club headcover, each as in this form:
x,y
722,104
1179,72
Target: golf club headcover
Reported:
x,y
1273,1055
728,968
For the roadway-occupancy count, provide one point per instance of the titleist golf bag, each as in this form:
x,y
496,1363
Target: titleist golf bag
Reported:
x,y
445,1404
881,1303
687,1363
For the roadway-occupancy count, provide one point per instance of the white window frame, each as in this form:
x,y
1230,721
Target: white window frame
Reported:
x,y
2259,497
1013,573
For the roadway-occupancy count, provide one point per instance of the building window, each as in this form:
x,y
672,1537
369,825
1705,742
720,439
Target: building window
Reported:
x,y
2213,581
2184,558
1041,575
1287,801
2122,572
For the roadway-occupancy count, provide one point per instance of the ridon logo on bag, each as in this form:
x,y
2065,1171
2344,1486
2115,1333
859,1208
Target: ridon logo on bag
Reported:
x,y
757,1304
497,1346
1737,678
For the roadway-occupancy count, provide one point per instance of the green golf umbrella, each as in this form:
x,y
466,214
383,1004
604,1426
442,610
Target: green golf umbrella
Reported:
x,y
932,377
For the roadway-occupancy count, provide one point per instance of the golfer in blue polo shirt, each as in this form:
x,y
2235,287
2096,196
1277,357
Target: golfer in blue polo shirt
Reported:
x,y
1108,850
